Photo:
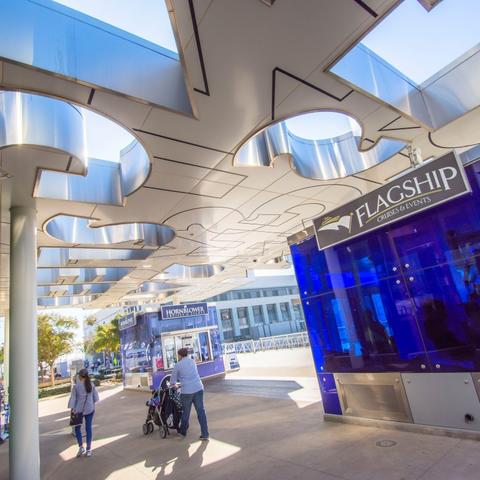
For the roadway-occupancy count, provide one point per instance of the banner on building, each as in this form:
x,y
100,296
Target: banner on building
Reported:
x,y
185,310
427,186
128,321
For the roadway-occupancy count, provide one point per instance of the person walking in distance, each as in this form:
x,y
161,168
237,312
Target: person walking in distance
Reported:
x,y
185,371
82,400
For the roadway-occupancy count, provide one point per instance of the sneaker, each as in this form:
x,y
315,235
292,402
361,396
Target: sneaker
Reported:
x,y
204,439
89,453
181,436
81,452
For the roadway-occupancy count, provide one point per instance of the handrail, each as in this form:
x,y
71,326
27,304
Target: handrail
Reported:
x,y
278,342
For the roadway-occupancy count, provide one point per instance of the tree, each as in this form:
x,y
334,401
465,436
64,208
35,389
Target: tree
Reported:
x,y
55,338
90,320
107,337
88,347
2,353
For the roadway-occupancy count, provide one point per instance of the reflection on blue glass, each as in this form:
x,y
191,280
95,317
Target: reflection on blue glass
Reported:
x,y
402,298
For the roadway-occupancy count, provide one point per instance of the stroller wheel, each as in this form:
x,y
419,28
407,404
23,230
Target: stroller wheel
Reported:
x,y
163,431
150,427
145,428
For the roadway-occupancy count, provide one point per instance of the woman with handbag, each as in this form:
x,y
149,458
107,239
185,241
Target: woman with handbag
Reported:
x,y
82,403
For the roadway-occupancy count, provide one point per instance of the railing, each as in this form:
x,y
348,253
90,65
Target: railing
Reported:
x,y
292,340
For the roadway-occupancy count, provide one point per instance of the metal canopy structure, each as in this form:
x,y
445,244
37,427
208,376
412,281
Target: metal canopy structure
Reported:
x,y
214,182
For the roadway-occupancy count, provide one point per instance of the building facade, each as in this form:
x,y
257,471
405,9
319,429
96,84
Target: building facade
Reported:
x,y
269,306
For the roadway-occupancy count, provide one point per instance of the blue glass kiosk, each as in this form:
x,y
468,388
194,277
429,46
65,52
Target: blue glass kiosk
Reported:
x,y
150,341
394,316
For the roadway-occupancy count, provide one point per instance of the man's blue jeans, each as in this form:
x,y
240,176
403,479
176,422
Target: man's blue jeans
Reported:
x,y
197,400
88,427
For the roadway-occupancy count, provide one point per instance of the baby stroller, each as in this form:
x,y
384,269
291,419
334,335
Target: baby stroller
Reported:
x,y
164,409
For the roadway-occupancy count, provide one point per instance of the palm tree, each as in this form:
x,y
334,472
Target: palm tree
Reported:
x,y
107,338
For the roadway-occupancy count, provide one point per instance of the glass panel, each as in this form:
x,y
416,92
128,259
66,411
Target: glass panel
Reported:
x,y
169,352
205,351
272,312
297,311
448,310
285,312
441,234
258,314
369,328
226,317
310,268
242,314
216,343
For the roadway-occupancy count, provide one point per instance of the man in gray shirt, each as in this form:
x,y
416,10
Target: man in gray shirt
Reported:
x,y
185,371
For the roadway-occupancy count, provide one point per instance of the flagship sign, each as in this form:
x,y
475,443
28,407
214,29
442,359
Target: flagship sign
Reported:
x,y
186,310
127,322
429,185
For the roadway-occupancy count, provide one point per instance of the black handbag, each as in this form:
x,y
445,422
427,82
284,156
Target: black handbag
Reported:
x,y
77,418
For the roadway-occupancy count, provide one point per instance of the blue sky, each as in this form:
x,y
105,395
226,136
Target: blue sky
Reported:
x,y
420,43
105,138
147,19
321,125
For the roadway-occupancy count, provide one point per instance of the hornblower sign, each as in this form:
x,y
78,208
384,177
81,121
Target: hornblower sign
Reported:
x,y
424,187
184,310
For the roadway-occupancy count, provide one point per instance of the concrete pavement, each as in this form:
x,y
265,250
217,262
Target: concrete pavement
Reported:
x,y
263,433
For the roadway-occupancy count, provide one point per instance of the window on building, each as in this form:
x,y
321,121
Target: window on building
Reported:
x,y
272,312
258,316
228,335
285,312
227,319
242,314
297,310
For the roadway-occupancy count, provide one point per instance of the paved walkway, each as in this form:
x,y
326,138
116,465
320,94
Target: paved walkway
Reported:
x,y
255,435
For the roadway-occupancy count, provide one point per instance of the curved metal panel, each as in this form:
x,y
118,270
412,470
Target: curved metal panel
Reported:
x,y
72,290
51,257
187,273
155,288
36,120
435,103
101,185
325,159
54,302
52,37
70,276
79,231
134,167
106,182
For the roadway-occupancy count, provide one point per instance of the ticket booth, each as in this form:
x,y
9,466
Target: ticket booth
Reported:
x,y
150,341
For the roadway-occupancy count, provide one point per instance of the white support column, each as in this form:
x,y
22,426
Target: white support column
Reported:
x,y
24,437
6,353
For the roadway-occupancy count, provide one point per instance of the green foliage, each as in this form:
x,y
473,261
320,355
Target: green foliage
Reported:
x,y
2,353
88,345
107,337
55,338
48,392
90,320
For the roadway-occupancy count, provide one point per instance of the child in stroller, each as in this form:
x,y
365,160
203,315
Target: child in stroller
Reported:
x,y
164,409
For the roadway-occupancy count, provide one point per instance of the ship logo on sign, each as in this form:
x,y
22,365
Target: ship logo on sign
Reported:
x,y
334,223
